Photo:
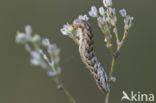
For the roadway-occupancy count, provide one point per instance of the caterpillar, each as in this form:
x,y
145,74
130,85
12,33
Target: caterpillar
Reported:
x,y
86,50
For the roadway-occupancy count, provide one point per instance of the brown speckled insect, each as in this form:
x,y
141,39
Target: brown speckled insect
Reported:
x,y
88,56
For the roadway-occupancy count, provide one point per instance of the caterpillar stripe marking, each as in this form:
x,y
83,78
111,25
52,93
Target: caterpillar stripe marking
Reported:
x,y
88,56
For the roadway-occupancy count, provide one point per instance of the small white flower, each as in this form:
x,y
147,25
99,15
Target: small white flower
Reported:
x,y
85,17
28,30
107,3
108,19
51,48
35,62
100,20
45,42
111,11
123,12
51,73
93,12
64,31
108,45
35,55
67,29
128,19
101,11
131,18
20,38
36,59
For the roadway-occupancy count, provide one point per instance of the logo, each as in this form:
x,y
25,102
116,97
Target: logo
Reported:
x,y
137,97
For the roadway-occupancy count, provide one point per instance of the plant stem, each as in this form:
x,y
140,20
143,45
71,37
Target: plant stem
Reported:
x,y
110,76
65,91
112,66
116,34
70,98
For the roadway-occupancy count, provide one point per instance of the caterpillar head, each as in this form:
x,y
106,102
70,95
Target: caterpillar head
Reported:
x,y
80,23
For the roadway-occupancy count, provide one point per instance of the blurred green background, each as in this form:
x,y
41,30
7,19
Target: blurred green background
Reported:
x,y
21,82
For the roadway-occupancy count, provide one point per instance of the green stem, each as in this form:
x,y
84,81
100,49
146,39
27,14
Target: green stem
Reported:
x,y
65,91
110,76
70,98
112,66
122,40
116,34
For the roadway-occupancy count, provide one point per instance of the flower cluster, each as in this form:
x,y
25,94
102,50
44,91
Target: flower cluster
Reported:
x,y
43,53
68,30
127,19
107,20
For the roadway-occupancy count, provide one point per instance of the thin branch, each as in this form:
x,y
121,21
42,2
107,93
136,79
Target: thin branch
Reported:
x,y
70,98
